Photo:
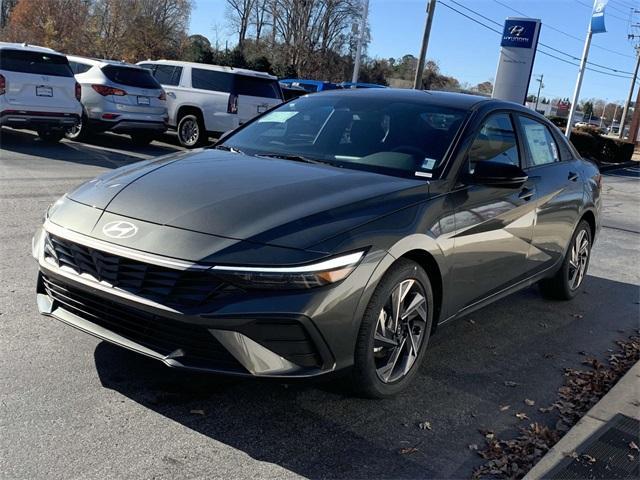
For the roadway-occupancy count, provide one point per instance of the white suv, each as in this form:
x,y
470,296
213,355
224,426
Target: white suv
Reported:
x,y
37,90
204,99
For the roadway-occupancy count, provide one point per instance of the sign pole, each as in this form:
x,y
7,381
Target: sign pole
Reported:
x,y
625,110
576,92
358,59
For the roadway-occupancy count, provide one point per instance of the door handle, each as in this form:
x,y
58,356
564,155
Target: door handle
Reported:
x,y
526,194
573,176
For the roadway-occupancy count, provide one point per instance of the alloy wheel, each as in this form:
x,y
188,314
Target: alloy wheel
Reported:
x,y
400,331
74,132
189,131
579,257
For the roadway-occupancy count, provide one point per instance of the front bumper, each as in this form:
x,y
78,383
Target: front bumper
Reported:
x,y
264,344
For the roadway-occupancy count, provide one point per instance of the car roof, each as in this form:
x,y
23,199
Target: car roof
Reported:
x,y
305,80
100,62
216,68
462,101
27,48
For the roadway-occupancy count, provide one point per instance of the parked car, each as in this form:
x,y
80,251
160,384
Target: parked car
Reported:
x,y
209,99
290,91
118,97
334,232
359,85
310,86
37,90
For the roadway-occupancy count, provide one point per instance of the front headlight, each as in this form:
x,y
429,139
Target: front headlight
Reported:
x,y
285,278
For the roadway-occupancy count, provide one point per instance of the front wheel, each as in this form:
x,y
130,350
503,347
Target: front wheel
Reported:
x,y
394,332
565,283
51,136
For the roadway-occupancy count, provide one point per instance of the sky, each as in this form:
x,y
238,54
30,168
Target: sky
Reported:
x,y
470,52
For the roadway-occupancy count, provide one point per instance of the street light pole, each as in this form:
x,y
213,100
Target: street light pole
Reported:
x,y
539,88
358,59
625,110
431,7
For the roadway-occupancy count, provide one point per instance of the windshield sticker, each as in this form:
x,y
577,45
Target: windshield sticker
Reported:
x,y
277,117
423,174
428,163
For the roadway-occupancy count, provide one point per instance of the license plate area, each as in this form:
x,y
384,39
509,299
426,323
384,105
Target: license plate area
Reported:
x,y
143,100
44,91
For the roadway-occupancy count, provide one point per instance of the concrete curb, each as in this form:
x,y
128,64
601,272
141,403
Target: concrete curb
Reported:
x,y
624,398
615,166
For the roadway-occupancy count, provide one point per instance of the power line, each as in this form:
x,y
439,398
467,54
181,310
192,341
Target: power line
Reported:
x,y
539,50
573,57
590,7
546,25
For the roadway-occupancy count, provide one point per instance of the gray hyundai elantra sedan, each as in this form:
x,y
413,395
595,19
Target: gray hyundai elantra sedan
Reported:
x,y
334,232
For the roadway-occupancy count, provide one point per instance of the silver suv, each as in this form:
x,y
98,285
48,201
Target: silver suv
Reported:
x,y
118,97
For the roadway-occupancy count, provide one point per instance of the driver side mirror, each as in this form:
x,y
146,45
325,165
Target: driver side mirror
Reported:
x,y
496,174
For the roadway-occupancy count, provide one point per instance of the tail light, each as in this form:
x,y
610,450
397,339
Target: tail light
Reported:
x,y
3,85
162,96
78,91
104,90
232,106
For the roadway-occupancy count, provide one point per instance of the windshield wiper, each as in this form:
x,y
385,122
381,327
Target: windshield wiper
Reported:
x,y
287,156
227,148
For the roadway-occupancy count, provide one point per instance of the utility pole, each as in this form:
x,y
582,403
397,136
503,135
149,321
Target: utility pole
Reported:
x,y
540,85
431,7
363,27
635,121
625,110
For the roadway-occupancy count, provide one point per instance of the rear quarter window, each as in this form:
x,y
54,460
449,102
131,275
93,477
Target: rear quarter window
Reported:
x,y
39,63
257,87
132,77
212,80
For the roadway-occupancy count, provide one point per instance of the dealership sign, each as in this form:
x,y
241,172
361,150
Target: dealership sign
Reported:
x,y
517,52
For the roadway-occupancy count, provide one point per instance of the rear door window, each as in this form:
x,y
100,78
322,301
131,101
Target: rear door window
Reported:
x,y
132,77
542,146
212,80
40,63
257,87
168,74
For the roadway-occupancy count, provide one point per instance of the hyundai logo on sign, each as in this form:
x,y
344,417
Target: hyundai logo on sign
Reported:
x,y
120,229
518,33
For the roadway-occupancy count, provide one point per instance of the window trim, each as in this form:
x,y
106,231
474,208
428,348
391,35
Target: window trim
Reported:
x,y
529,157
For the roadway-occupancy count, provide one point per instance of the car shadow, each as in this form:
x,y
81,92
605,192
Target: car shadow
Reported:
x,y
102,150
513,350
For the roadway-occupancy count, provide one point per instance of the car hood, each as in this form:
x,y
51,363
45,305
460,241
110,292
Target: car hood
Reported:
x,y
263,200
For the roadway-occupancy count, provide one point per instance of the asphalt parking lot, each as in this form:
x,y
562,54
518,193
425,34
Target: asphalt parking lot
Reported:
x,y
72,406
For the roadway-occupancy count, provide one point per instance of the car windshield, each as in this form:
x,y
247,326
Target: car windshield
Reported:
x,y
398,137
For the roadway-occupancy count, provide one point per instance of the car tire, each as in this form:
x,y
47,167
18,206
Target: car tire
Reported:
x,y
191,131
372,376
80,132
142,139
565,284
51,136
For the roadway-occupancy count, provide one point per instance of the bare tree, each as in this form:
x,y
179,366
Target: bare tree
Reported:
x,y
240,13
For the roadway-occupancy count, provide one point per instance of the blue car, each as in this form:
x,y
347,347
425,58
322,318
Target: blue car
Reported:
x,y
311,86
359,85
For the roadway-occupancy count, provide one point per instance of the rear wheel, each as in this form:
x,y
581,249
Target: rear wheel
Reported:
x,y
78,132
565,283
142,139
191,131
51,136
394,332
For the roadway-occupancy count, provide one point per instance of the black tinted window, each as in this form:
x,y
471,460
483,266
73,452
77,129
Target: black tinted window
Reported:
x,y
257,87
496,142
130,76
78,67
35,62
212,80
168,74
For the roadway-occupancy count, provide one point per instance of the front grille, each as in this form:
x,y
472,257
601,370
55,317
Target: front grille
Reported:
x,y
179,289
160,334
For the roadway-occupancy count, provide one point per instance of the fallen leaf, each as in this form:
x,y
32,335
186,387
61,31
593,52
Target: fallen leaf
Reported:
x,y
631,457
589,458
634,446
543,325
473,446
548,355
504,407
522,416
197,412
424,426
408,450
509,383
529,402
490,435
471,321
577,315
571,454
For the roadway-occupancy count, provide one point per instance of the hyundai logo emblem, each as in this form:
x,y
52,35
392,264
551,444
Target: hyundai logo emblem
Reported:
x,y
120,229
516,30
